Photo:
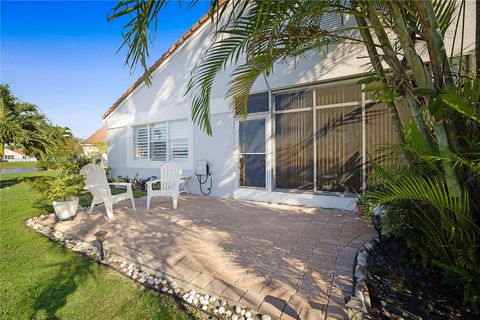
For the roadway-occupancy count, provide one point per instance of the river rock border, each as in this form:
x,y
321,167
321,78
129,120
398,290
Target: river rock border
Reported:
x,y
359,303
211,305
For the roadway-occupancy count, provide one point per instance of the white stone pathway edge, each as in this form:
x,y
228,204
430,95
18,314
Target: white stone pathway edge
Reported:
x,y
149,278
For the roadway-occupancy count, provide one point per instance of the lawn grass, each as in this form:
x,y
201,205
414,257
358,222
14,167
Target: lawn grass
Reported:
x,y
40,279
19,164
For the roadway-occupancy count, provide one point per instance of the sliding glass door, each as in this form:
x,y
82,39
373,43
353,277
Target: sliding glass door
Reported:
x,y
320,139
252,153
338,115
339,156
294,141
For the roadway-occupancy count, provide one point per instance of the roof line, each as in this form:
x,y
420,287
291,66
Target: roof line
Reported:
x,y
157,63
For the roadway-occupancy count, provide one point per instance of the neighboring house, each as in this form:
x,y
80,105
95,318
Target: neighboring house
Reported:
x,y
308,137
17,155
94,145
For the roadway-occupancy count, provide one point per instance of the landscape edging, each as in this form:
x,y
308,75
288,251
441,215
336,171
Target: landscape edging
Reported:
x,y
152,279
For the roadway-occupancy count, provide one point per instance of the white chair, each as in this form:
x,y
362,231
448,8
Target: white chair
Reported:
x,y
96,182
170,174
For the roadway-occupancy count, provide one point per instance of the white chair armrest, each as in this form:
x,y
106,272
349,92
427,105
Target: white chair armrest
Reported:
x,y
150,184
125,184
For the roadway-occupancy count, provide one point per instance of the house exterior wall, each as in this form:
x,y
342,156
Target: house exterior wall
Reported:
x,y
12,156
164,100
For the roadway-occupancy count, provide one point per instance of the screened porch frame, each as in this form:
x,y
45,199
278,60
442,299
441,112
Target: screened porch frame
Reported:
x,y
270,147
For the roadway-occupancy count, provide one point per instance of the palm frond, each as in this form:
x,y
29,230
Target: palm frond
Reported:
x,y
137,33
426,190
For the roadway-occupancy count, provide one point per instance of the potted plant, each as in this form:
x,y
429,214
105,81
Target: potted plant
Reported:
x,y
63,189
63,192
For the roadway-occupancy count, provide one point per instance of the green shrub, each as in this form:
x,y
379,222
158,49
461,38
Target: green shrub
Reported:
x,y
65,185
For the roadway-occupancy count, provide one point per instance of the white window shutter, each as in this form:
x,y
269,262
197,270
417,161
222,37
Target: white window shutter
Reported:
x,y
179,140
158,142
141,142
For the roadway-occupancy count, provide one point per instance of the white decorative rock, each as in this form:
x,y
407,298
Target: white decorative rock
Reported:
x,y
238,309
164,281
204,308
170,291
234,317
164,289
228,313
369,246
242,312
248,314
360,272
221,310
266,317
212,299
223,303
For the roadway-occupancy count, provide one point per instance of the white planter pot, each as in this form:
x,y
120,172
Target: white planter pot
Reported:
x,y
66,209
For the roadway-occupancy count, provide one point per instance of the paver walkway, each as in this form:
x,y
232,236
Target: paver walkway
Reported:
x,y
288,261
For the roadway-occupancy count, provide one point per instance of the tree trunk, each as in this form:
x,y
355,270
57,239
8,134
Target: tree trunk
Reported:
x,y
477,39
423,80
436,47
396,66
377,66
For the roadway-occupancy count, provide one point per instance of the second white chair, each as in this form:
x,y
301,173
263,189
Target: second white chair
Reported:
x,y
170,174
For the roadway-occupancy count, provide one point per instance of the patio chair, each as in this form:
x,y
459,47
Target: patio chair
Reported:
x,y
96,182
170,174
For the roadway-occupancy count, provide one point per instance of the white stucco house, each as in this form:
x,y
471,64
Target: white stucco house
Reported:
x,y
17,155
94,146
306,140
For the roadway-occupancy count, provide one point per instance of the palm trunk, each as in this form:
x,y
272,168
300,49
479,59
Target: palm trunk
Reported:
x,y
436,47
423,80
377,66
477,39
392,60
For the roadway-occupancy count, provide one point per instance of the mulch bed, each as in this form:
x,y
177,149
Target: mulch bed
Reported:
x,y
401,288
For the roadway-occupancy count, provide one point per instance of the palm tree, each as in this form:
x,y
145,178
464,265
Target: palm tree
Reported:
x,y
265,32
445,105
21,124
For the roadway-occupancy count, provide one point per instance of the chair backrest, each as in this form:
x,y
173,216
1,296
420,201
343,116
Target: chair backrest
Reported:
x,y
170,174
96,180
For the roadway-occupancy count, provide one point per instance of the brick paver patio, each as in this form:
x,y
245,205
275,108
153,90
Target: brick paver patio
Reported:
x,y
288,261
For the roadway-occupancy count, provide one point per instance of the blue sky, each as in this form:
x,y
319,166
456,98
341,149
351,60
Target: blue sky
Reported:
x,y
62,56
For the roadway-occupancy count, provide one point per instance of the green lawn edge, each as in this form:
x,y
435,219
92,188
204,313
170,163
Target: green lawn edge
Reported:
x,y
19,164
40,279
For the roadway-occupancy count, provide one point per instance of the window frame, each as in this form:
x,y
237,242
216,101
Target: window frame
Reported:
x,y
168,140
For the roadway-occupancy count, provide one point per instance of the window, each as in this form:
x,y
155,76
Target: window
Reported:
x,y
178,140
162,141
9,157
258,102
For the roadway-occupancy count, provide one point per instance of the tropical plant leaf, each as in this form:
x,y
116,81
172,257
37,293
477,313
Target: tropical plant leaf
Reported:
x,y
456,101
